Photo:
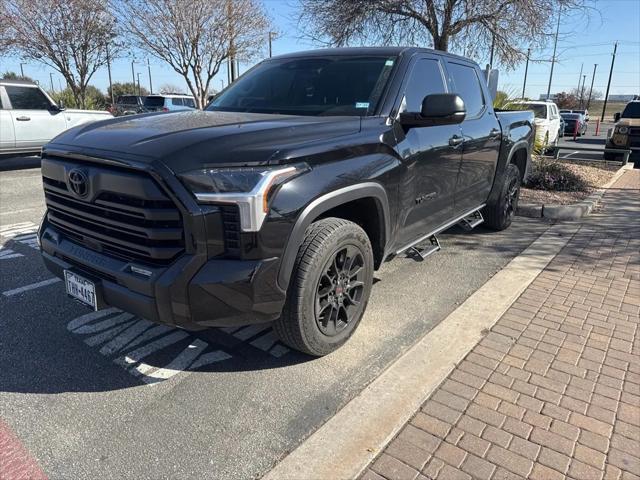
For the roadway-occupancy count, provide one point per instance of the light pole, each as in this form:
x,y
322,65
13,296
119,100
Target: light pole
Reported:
x,y
553,59
270,38
150,84
133,76
593,77
22,70
139,91
584,79
113,100
526,70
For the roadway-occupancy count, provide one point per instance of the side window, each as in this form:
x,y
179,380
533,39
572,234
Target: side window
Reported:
x,y
176,101
426,78
189,102
467,85
27,98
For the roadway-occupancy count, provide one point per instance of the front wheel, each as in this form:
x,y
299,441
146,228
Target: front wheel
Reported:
x,y
330,287
499,213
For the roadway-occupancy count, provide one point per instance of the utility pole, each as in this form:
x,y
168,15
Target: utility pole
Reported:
x,y
593,77
584,79
526,70
139,91
150,84
579,78
51,78
553,59
22,70
606,95
113,99
133,76
493,45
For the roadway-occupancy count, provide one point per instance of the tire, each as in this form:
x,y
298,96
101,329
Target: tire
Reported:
x,y
499,214
323,307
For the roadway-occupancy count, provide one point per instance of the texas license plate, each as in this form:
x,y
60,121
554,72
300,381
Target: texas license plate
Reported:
x,y
81,289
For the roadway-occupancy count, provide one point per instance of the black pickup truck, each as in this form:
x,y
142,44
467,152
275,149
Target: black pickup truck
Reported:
x,y
279,201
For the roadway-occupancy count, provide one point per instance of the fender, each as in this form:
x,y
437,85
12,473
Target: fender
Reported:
x,y
502,167
323,204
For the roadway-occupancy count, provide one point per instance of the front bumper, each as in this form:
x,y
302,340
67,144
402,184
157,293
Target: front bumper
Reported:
x,y
193,292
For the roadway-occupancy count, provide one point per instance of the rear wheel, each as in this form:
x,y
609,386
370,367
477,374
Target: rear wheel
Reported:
x,y
499,214
329,289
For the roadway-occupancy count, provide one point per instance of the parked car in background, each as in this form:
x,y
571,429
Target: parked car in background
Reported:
x,y
168,102
574,123
29,118
128,105
327,164
584,113
547,120
626,132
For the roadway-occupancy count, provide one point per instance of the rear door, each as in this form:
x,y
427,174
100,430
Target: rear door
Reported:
x,y
482,137
33,120
431,156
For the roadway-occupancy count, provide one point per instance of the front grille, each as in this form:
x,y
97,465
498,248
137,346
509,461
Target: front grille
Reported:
x,y
128,216
231,226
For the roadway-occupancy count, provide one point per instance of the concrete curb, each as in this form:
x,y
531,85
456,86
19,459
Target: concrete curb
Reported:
x,y
344,446
574,211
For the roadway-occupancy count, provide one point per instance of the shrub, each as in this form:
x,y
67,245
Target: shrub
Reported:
x,y
555,176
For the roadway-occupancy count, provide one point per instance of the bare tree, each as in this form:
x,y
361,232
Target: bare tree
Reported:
x,y
70,36
470,26
196,37
170,88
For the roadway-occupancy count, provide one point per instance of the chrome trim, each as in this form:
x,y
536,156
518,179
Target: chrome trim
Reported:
x,y
439,229
250,204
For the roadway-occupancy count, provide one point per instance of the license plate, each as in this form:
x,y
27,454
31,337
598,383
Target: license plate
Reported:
x,y
81,289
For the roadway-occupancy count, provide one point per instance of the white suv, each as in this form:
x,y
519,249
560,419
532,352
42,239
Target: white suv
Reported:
x,y
547,121
168,103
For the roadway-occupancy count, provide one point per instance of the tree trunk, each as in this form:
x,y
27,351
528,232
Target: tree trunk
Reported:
x,y
441,42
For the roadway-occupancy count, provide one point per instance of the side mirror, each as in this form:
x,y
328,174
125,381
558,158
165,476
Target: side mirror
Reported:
x,y
437,109
616,116
59,107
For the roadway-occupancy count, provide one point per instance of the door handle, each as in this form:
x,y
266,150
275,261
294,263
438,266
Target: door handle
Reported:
x,y
494,133
456,141
23,119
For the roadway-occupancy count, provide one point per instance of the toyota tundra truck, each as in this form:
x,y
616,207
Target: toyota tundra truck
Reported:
x,y
280,200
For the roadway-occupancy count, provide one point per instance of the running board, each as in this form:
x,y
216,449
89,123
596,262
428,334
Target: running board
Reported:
x,y
420,253
471,221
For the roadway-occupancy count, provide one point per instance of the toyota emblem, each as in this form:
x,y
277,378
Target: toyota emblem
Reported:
x,y
78,182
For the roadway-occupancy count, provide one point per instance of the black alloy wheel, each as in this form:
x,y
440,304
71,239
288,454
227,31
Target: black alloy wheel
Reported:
x,y
340,289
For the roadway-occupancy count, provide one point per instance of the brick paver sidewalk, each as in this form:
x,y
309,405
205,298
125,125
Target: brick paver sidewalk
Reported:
x,y
553,390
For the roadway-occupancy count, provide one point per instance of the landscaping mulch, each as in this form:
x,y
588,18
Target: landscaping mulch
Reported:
x,y
595,174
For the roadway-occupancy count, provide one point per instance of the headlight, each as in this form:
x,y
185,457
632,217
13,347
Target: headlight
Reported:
x,y
249,188
622,129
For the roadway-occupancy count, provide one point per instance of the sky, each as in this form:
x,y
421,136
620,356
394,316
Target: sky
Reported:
x,y
581,44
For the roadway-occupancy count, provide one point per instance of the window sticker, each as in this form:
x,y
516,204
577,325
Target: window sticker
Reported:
x,y
362,104
388,63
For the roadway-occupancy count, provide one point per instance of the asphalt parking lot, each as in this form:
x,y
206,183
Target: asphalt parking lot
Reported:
x,y
108,395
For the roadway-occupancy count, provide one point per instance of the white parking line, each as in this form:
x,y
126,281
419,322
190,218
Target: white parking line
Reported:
x,y
7,253
146,350
33,286
10,231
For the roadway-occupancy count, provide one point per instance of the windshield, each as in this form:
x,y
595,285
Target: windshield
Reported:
x,y
632,110
539,111
153,101
309,86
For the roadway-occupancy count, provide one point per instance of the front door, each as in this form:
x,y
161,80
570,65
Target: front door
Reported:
x,y
431,157
34,122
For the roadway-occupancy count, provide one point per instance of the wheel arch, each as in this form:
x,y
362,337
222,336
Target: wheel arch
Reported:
x,y
341,203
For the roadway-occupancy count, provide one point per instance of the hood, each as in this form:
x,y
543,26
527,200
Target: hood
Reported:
x,y
189,140
628,122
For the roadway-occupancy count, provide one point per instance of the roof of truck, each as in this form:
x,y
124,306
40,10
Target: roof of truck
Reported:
x,y
25,83
346,51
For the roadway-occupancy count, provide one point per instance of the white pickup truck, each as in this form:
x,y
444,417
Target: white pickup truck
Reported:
x,y
29,118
